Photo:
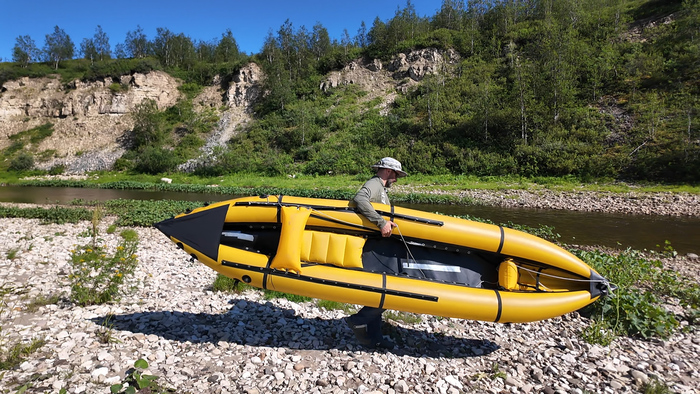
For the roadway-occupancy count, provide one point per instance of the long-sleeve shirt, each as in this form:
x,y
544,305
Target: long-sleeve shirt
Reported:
x,y
372,191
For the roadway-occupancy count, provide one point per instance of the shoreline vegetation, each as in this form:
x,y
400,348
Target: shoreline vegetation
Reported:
x,y
562,193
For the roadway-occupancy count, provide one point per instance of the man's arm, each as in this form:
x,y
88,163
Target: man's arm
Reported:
x,y
365,207
362,199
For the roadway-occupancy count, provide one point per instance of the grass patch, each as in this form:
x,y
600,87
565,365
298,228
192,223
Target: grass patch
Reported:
x,y
636,308
404,317
56,214
350,183
105,333
19,352
272,294
12,253
336,306
226,284
34,135
42,300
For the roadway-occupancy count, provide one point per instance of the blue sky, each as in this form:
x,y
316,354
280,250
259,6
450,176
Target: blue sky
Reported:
x,y
249,20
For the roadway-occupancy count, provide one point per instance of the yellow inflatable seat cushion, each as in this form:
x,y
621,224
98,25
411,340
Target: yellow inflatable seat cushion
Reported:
x,y
508,275
337,249
289,247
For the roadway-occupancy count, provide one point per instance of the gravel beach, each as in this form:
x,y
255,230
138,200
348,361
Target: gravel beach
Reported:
x,y
200,341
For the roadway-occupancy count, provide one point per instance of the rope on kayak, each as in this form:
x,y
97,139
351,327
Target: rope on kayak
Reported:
x,y
610,287
562,277
413,259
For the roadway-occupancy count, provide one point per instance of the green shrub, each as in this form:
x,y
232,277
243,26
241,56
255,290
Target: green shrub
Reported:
x,y
54,214
635,308
97,274
154,160
117,87
23,162
190,90
57,169
136,380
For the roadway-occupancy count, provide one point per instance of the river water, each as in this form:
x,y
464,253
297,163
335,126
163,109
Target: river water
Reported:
x,y
579,228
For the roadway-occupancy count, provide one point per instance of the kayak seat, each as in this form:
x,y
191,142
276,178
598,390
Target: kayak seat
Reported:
x,y
297,244
336,249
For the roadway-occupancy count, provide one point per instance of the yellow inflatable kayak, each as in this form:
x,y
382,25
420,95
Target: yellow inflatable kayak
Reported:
x,y
432,264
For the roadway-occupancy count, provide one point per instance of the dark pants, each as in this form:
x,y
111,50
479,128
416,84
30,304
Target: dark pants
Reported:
x,y
372,317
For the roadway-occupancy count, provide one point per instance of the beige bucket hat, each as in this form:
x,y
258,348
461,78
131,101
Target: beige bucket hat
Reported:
x,y
392,164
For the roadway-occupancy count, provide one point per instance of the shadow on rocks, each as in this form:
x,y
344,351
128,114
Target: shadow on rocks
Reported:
x,y
265,324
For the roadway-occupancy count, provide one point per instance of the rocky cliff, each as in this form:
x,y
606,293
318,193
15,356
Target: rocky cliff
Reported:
x,y
90,119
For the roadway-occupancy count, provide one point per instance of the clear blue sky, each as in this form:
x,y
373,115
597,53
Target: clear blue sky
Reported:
x,y
249,20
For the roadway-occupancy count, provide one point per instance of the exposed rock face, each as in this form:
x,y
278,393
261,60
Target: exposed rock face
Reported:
x,y
242,92
86,116
90,118
399,75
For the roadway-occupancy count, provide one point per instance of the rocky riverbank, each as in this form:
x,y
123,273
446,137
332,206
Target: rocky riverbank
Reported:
x,y
200,341
638,203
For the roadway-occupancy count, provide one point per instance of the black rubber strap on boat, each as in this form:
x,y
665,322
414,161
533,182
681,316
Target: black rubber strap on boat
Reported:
x,y
392,213
311,279
265,272
279,208
503,238
537,279
500,306
381,300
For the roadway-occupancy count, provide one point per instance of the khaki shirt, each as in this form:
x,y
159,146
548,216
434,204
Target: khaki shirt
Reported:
x,y
372,191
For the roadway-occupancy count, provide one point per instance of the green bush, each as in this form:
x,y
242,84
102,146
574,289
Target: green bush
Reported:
x,y
155,160
23,162
55,214
57,169
98,273
635,308
117,87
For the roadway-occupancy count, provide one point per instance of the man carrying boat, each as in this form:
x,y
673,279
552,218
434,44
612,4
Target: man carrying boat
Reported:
x,y
367,323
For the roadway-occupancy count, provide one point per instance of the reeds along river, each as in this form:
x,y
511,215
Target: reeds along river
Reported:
x,y
577,228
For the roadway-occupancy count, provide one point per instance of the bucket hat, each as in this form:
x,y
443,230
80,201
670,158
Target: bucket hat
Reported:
x,y
392,164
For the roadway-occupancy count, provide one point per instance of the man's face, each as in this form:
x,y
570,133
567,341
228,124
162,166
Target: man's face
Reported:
x,y
390,177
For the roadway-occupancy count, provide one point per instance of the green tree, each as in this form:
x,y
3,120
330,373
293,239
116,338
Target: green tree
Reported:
x,y
101,42
88,50
136,44
227,48
450,16
183,51
163,46
320,41
149,125
58,47
362,38
24,51
205,51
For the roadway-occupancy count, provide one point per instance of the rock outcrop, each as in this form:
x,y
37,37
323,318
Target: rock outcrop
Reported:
x,y
91,118
402,73
242,92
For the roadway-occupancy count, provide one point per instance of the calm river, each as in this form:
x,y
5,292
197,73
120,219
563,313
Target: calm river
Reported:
x,y
582,228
